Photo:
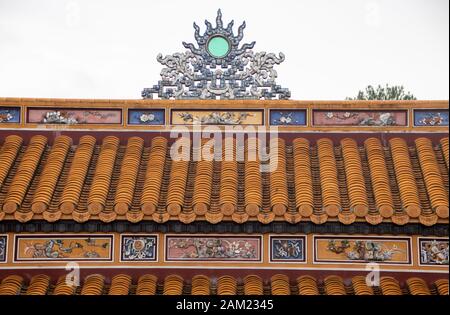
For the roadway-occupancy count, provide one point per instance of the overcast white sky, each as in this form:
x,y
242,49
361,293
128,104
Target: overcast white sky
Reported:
x,y
107,49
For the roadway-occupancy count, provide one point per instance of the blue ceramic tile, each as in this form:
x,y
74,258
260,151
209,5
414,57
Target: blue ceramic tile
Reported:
x,y
9,115
146,117
288,117
287,249
431,117
138,248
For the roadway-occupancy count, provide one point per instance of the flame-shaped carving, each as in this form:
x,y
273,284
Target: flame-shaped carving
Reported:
x,y
227,32
239,74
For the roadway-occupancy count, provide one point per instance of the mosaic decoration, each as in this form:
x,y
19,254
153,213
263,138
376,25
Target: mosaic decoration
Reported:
x,y
9,115
62,247
218,68
437,117
74,116
146,117
138,248
288,117
3,242
433,251
360,249
360,118
213,248
287,249
200,117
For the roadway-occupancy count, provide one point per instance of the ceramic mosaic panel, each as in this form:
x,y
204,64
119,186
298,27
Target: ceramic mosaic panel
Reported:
x,y
433,251
3,247
146,117
9,115
431,117
204,117
360,118
74,116
287,249
213,248
138,247
288,117
63,247
362,250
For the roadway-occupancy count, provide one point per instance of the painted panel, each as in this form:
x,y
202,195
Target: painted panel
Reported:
x,y
213,248
9,115
360,118
146,117
3,247
226,117
138,247
288,117
433,251
73,116
63,247
362,250
431,117
287,249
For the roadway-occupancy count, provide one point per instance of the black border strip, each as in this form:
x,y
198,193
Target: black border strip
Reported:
x,y
223,227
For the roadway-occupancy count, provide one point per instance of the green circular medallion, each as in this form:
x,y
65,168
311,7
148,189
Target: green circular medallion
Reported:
x,y
218,47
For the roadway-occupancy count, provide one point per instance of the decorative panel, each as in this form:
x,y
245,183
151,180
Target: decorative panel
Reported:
x,y
433,251
360,118
213,248
63,247
431,117
287,249
74,116
146,117
292,117
225,117
3,247
362,250
138,248
9,115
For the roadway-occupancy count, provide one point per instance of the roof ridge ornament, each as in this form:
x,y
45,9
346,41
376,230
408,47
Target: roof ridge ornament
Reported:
x,y
218,68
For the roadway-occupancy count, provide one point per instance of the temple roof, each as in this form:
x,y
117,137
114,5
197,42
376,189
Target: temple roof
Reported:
x,y
319,180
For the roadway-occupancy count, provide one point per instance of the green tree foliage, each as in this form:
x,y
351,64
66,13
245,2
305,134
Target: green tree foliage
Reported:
x,y
396,92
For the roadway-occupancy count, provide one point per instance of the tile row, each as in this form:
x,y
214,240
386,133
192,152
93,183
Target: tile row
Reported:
x,y
300,181
173,284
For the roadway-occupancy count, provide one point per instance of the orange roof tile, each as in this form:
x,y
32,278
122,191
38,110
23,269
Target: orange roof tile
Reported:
x,y
318,182
279,284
